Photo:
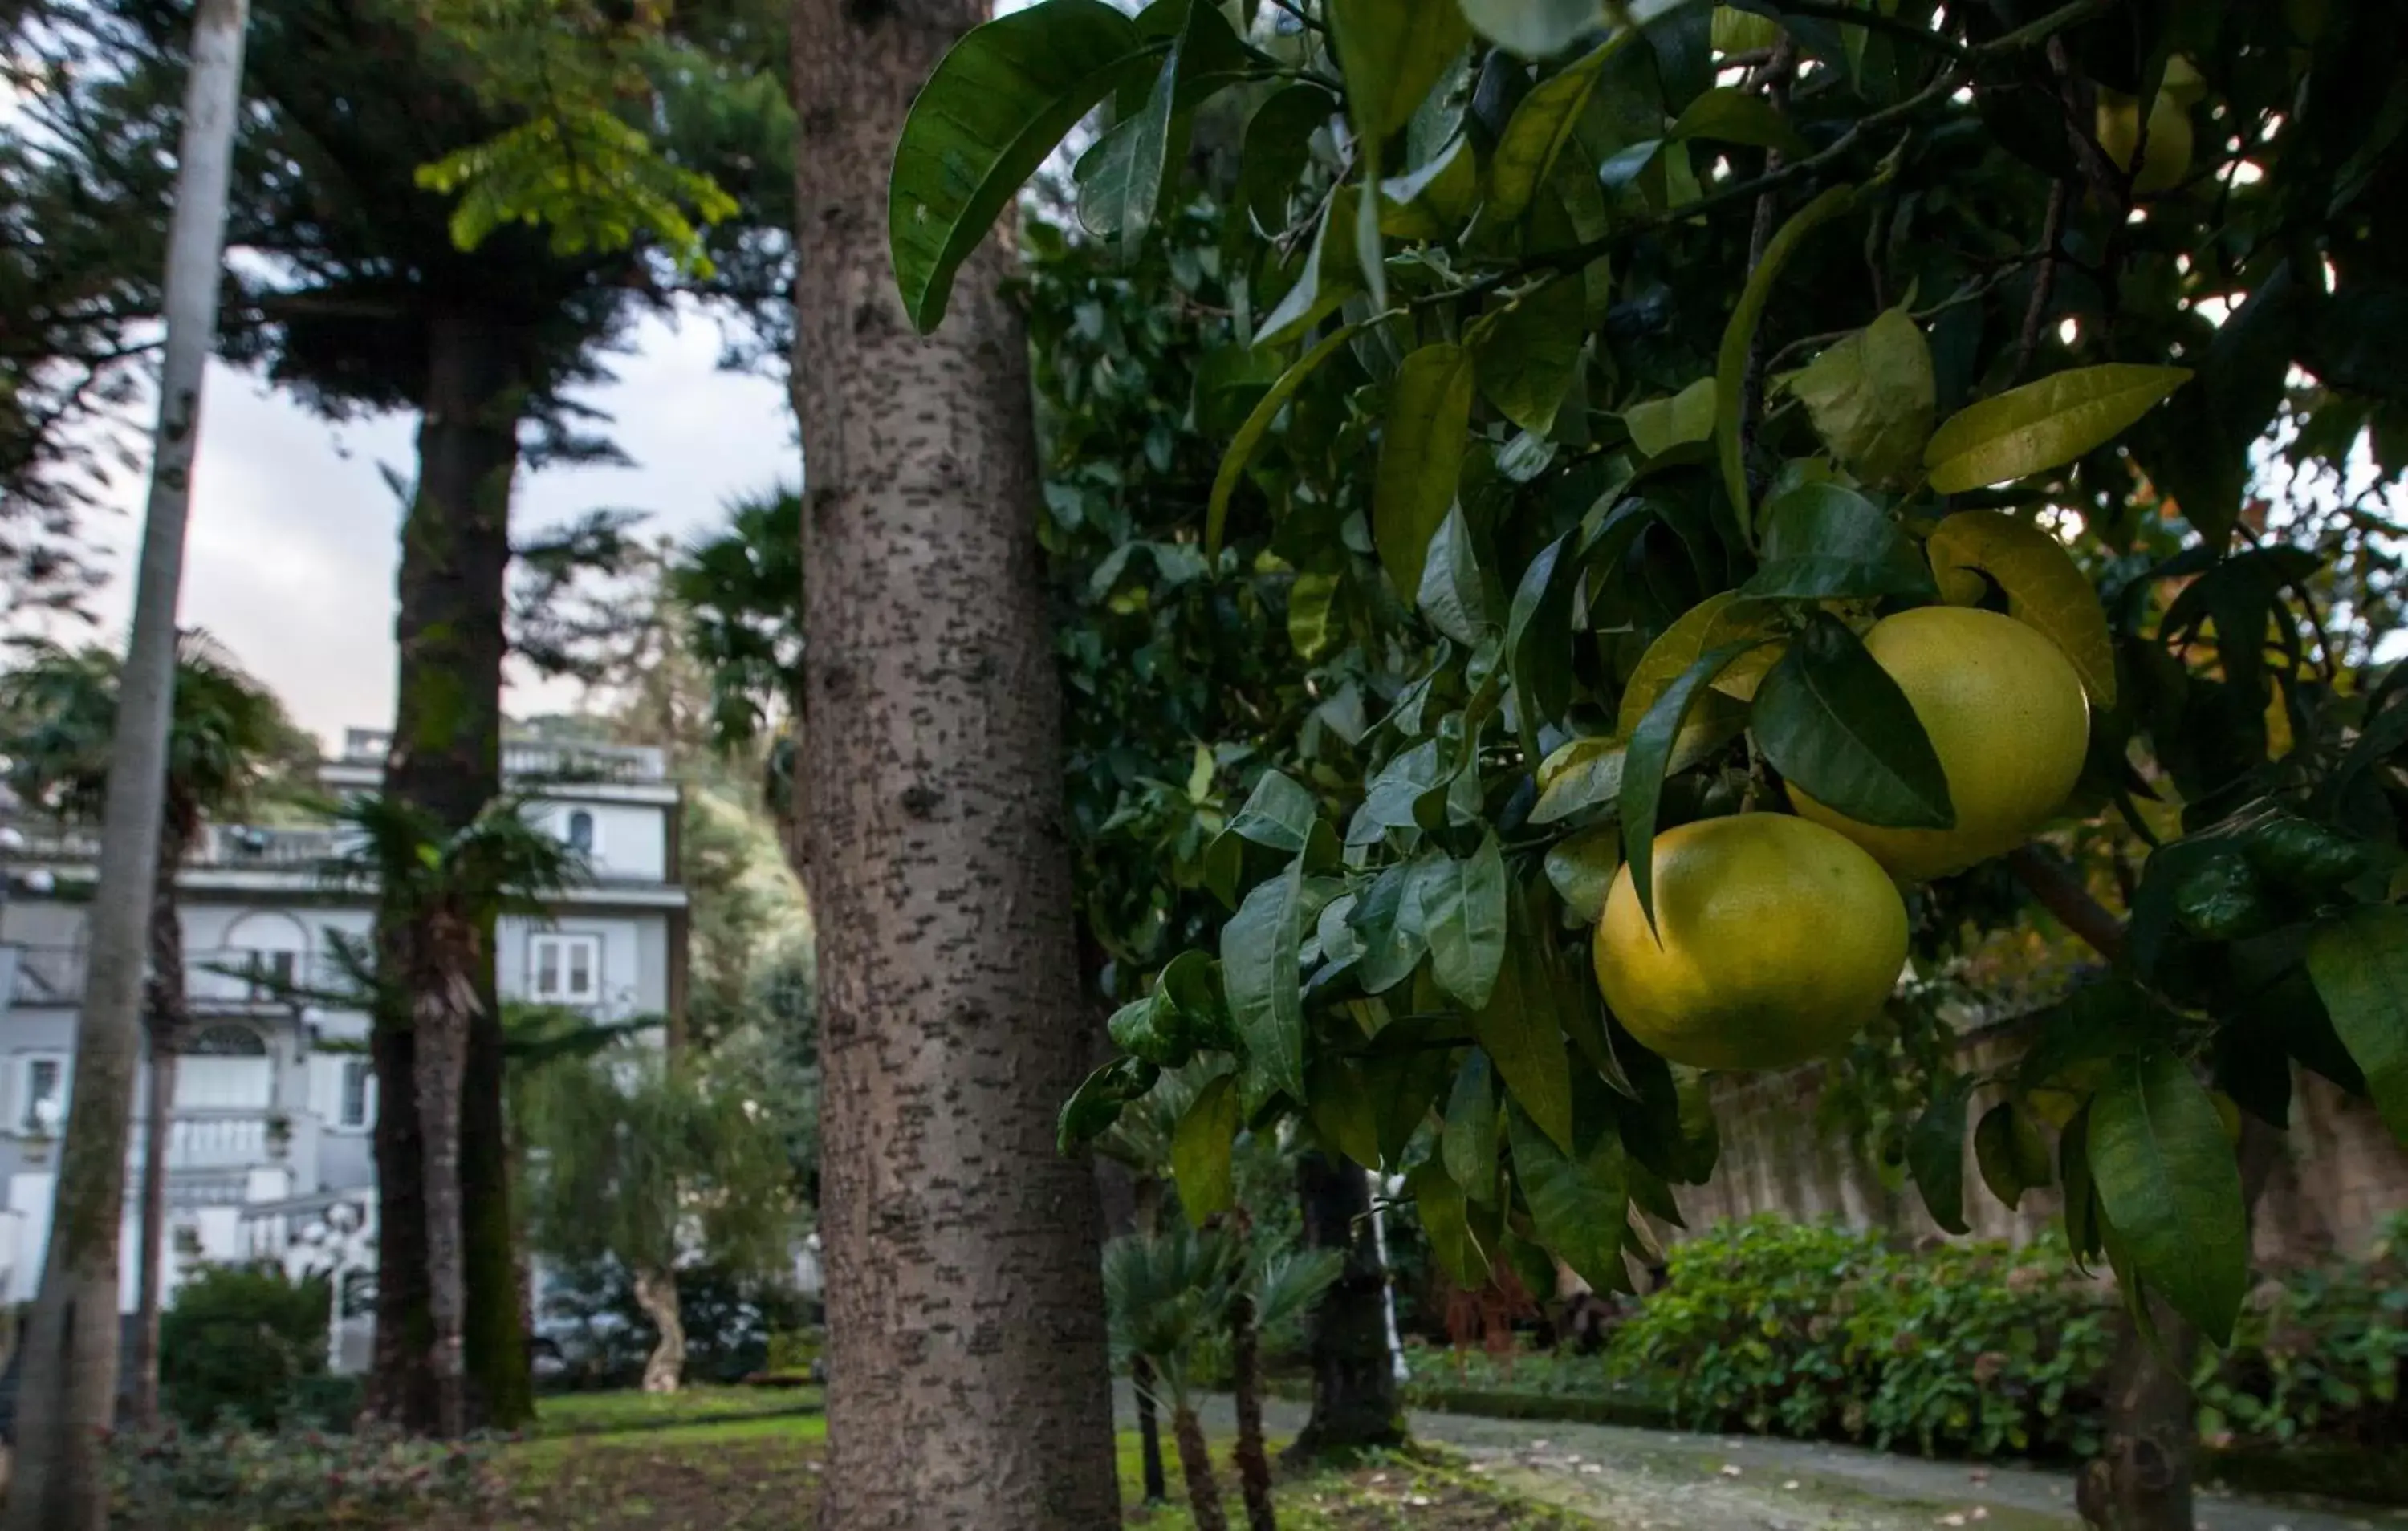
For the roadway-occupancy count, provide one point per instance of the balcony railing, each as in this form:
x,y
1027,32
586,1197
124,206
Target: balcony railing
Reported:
x,y
225,847
525,760
216,979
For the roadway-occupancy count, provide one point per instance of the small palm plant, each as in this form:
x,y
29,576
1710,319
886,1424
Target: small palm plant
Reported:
x,y
1173,1295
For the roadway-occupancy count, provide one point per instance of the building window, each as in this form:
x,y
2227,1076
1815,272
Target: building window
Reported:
x,y
42,1109
577,830
564,969
351,1098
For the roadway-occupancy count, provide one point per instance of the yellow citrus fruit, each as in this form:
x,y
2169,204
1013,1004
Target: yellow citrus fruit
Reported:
x,y
2006,716
1775,941
2166,158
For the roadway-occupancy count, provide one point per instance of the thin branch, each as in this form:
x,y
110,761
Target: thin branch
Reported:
x,y
1873,21
2036,311
2063,896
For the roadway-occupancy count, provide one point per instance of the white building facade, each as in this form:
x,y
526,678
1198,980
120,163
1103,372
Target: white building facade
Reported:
x,y
275,1102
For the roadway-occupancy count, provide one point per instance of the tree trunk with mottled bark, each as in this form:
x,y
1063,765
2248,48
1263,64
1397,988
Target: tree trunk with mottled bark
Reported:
x,y
1196,1466
968,1377
66,1394
446,761
442,1030
656,1294
1254,1462
165,1012
1353,1375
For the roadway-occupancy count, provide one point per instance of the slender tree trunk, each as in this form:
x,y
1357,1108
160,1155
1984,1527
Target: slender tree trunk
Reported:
x,y
656,1294
165,1012
446,761
970,1382
1254,1462
67,1390
1196,1466
2142,1479
1147,1199
1353,1373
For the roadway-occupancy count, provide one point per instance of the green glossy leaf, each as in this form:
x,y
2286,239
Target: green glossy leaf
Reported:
x,y
1119,179
2359,963
1445,1219
1729,115
1870,395
1328,276
2170,1188
2011,1152
1831,719
1542,125
1935,1156
1278,813
1526,355
1388,920
1580,1201
1311,609
1092,1110
1824,543
1394,52
1659,425
1463,918
1534,631
2043,425
1731,362
1258,971
1277,146
1650,755
1200,1151
1344,1115
1453,594
1581,869
1520,1029
1719,619
1425,434
1000,100
1432,202
1467,1143
1250,436
2081,1233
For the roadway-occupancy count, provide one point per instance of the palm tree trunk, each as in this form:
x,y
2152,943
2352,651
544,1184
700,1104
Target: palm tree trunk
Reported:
x,y
67,1390
446,761
656,1295
1149,1430
165,1012
1196,1466
969,1377
1353,1372
1254,1462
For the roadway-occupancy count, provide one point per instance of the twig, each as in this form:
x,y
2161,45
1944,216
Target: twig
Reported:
x,y
1775,76
2063,896
2051,230
1874,21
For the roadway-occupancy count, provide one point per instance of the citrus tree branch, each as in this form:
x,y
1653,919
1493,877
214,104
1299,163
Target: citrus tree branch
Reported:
x,y
2063,895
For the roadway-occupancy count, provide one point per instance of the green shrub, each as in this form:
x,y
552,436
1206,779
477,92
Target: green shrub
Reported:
x,y
2321,1357
1811,1330
238,1343
245,1480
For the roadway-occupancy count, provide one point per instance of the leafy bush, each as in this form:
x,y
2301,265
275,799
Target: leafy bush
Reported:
x,y
296,1481
1812,1330
241,1345
2320,1357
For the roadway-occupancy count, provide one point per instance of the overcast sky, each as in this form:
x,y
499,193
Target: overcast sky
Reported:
x,y
294,534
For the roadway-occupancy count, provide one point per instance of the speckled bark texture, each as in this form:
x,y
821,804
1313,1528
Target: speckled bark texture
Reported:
x,y
967,1373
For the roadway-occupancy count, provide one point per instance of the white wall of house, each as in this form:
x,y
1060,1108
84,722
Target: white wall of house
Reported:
x,y
284,1106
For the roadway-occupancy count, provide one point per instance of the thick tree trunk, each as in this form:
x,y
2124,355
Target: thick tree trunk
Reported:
x,y
165,1011
1353,1374
968,1379
656,1294
442,1060
1254,1462
446,760
1196,1466
66,1391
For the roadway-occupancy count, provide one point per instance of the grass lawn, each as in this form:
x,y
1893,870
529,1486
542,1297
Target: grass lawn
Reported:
x,y
733,1459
